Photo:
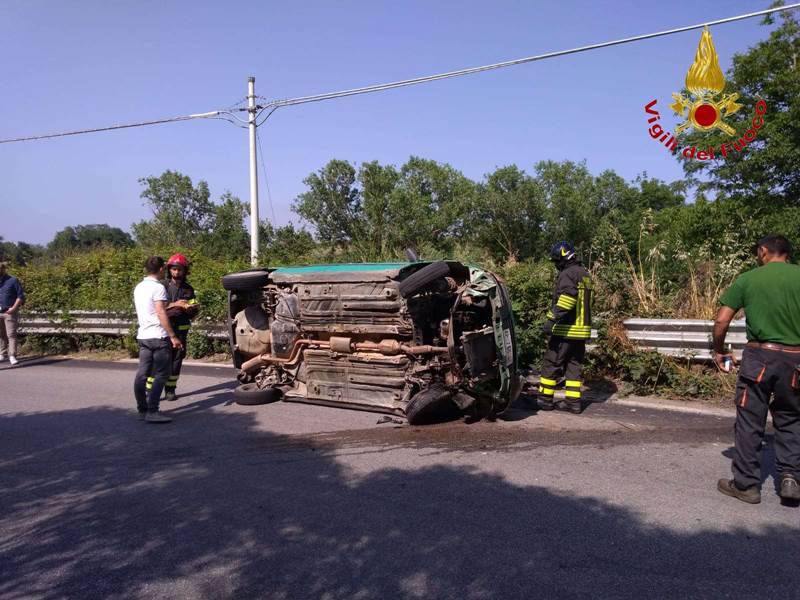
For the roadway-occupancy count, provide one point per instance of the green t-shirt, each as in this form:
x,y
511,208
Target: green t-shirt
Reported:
x,y
770,297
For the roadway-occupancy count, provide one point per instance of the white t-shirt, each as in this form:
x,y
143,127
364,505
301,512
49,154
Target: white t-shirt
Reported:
x,y
145,295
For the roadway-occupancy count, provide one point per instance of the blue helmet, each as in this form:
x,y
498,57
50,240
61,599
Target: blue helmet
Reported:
x,y
562,253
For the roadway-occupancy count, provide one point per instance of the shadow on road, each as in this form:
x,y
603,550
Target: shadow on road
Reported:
x,y
97,505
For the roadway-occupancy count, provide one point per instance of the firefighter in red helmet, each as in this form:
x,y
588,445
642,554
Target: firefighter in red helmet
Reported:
x,y
182,307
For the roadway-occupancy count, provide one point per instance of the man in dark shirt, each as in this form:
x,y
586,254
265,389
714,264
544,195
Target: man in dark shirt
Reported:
x,y
11,298
182,307
770,297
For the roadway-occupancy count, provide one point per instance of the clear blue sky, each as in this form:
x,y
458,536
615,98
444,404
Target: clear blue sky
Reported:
x,y
70,65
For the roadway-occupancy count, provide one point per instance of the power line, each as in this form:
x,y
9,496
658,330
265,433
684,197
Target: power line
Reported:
x,y
207,115
266,181
509,63
275,104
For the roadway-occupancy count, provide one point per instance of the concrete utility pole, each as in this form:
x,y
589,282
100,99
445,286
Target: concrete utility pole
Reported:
x,y
251,110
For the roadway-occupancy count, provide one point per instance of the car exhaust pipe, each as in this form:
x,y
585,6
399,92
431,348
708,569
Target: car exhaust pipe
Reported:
x,y
343,346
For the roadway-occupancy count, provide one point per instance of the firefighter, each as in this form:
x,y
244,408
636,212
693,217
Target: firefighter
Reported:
x,y
569,325
182,307
769,374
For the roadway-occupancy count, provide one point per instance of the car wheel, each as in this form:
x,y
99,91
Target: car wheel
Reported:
x,y
249,394
252,279
416,282
432,405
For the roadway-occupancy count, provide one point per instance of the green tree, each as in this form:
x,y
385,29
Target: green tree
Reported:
x,y
20,253
84,237
428,206
185,216
508,214
767,171
573,201
285,245
333,205
181,211
226,235
378,184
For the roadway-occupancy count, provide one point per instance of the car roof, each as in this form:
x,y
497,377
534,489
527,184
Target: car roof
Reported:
x,y
343,272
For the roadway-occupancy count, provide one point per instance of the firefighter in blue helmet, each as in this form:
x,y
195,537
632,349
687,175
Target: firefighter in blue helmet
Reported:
x,y
568,325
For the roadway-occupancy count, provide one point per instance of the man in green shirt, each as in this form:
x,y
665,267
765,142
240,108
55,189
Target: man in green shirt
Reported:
x,y
770,297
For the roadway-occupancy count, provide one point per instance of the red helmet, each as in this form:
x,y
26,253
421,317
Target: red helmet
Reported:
x,y
178,259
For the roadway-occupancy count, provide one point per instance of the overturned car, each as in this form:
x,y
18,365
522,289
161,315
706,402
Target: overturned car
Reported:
x,y
426,340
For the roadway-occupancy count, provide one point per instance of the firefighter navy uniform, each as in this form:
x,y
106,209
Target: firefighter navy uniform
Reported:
x,y
569,322
181,321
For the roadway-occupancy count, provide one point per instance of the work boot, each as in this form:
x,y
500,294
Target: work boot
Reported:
x,y
157,417
750,495
142,416
571,407
546,403
170,396
790,488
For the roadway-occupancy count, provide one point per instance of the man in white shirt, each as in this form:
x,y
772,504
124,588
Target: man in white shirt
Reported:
x,y
156,339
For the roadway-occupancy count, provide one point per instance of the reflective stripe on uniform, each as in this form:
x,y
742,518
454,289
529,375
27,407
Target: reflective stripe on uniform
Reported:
x,y
183,327
550,314
573,383
546,381
572,393
192,302
566,302
575,332
546,391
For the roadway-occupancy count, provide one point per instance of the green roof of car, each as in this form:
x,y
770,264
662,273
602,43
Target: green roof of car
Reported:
x,y
341,268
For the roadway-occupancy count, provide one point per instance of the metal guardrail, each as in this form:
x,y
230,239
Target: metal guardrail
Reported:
x,y
685,338
113,324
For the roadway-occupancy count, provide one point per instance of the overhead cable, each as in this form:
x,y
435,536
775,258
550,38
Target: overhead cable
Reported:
x,y
519,61
206,115
275,104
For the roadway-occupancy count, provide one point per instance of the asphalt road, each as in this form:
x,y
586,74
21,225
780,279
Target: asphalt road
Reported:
x,y
299,501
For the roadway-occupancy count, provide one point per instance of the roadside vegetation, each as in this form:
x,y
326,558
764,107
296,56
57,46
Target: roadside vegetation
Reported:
x,y
655,248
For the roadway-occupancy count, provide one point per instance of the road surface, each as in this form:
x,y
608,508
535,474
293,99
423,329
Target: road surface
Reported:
x,y
298,501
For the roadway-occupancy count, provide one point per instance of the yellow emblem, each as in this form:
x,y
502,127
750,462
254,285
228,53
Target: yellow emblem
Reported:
x,y
705,81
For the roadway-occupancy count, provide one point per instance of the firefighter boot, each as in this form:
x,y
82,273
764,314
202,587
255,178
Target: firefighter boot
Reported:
x,y
571,407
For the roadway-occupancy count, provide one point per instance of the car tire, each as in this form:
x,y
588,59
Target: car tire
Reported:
x,y
432,405
249,394
252,279
418,281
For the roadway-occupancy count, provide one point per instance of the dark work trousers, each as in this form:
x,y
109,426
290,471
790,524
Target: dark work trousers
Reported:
x,y
155,356
764,373
178,354
564,357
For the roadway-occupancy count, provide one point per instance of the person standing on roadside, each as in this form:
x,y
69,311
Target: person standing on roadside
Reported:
x,y
156,340
11,298
182,307
568,326
770,367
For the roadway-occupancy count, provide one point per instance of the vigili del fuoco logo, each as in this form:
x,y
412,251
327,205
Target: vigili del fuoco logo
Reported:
x,y
705,108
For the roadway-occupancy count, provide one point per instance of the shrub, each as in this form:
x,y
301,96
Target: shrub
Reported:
x,y
530,286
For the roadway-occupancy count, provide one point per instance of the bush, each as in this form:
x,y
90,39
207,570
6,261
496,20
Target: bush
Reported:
x,y
64,344
647,372
530,286
199,346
